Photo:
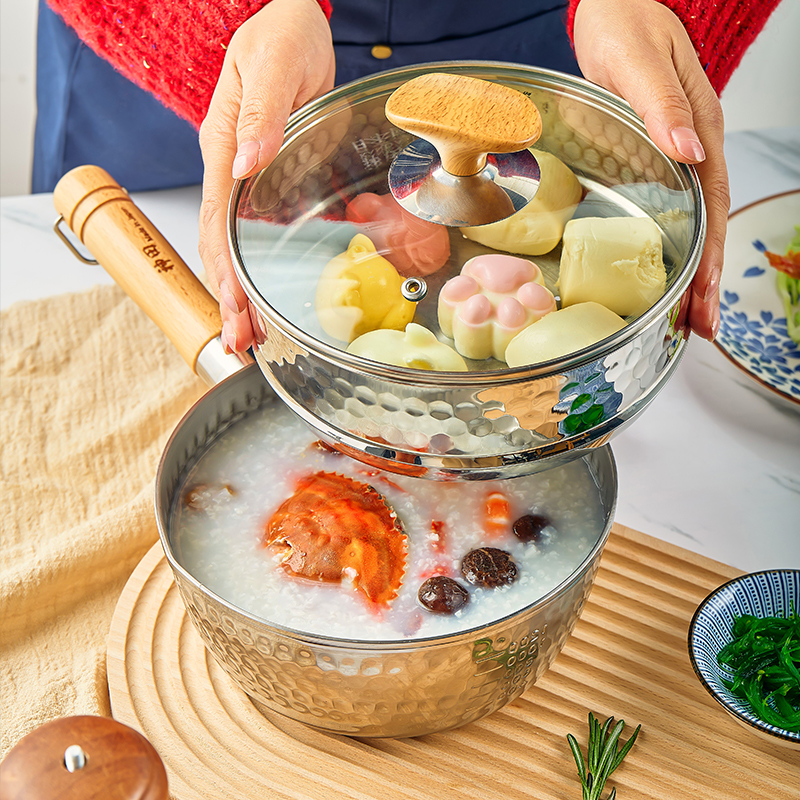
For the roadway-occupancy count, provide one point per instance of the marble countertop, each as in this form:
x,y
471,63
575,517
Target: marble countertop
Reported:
x,y
712,465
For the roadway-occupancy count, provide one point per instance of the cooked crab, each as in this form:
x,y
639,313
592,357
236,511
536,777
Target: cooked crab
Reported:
x,y
335,528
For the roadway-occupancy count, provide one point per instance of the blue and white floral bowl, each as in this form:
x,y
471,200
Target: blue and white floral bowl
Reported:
x,y
772,593
752,331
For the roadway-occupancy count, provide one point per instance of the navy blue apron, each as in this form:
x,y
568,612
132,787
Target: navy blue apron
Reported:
x,y
90,114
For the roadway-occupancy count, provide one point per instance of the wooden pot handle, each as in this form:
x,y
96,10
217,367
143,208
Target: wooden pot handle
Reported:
x,y
133,251
464,118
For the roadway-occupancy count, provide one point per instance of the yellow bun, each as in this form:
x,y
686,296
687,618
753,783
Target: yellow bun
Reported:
x,y
537,228
562,332
360,291
616,261
416,348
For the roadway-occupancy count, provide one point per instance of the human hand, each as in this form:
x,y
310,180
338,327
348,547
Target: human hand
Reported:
x,y
640,50
279,59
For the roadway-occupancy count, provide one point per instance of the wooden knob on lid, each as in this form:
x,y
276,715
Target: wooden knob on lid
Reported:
x,y
464,118
83,758
470,165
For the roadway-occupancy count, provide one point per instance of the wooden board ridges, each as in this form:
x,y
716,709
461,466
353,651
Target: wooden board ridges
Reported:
x,y
627,657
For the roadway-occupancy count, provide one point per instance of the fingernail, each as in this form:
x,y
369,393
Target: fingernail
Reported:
x,y
715,323
688,145
226,295
713,284
228,337
246,158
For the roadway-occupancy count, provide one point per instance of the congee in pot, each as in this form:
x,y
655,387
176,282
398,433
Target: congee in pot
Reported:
x,y
288,530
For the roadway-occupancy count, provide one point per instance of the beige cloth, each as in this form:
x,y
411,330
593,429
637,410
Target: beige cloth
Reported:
x,y
90,390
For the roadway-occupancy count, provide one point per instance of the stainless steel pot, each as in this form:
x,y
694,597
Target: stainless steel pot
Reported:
x,y
286,223
365,688
369,688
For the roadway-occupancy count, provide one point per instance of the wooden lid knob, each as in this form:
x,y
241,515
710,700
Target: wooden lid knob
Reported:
x,y
464,118
118,762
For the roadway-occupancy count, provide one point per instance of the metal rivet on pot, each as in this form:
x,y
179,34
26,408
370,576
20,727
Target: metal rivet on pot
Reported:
x,y
414,289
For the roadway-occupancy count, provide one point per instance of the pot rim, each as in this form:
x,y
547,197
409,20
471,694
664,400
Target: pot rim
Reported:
x,y
435,379
492,466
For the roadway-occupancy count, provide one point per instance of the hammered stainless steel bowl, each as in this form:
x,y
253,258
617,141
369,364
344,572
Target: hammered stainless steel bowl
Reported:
x,y
287,222
368,688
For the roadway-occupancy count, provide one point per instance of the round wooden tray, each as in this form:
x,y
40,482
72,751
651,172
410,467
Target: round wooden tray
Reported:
x,y
215,743
626,657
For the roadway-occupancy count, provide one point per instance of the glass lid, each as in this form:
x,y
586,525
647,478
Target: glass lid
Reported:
x,y
327,254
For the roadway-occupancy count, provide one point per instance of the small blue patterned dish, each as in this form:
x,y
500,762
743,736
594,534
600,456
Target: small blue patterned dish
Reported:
x,y
752,331
772,593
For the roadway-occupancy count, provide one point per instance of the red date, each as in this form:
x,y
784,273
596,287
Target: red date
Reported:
x,y
531,527
442,595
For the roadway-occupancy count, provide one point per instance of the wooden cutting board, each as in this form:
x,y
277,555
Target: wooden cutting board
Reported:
x,y
627,657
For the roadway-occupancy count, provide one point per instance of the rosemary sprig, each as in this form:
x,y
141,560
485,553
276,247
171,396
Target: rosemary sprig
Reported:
x,y
602,756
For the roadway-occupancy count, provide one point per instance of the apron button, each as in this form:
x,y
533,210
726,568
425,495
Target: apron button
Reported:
x,y
381,51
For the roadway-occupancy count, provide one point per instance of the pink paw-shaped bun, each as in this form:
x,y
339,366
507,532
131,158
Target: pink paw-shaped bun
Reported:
x,y
490,302
412,245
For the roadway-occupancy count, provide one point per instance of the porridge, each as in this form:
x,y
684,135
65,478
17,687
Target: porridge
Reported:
x,y
456,555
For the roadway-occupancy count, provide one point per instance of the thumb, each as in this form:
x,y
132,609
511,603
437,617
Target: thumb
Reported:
x,y
667,113
652,65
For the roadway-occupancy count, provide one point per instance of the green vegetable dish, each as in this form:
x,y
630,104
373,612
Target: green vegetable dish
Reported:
x,y
764,657
788,281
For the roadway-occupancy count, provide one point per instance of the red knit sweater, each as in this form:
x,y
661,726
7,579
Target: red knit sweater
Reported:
x,y
721,30
175,48
172,48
